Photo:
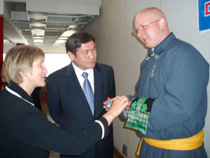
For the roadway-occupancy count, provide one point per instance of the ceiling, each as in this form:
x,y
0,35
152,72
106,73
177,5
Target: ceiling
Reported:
x,y
46,22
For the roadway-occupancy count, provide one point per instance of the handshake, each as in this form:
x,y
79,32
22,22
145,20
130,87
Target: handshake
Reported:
x,y
115,106
109,101
119,104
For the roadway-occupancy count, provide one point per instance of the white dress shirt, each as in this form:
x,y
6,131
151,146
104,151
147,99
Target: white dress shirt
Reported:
x,y
79,72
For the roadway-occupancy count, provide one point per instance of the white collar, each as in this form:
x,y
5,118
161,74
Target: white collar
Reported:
x,y
79,71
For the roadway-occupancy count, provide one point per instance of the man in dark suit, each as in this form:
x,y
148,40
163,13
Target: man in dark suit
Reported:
x,y
68,104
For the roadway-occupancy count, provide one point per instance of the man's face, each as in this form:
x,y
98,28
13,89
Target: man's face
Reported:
x,y
149,30
85,57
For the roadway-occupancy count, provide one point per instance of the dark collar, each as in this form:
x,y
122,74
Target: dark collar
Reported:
x,y
15,87
163,45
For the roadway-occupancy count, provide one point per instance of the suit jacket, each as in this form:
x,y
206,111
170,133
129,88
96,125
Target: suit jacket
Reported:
x,y
26,132
69,108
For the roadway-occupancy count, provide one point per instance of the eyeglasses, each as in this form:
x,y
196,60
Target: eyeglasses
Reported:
x,y
142,28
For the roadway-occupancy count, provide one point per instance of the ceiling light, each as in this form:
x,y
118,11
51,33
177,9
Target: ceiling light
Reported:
x,y
37,16
68,33
38,41
37,25
38,37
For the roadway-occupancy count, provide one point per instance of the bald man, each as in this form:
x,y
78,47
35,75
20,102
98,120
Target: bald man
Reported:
x,y
171,92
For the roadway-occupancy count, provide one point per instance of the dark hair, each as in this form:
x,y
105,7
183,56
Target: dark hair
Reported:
x,y
77,39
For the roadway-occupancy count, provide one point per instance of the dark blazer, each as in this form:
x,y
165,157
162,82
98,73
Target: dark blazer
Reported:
x,y
70,109
36,97
25,131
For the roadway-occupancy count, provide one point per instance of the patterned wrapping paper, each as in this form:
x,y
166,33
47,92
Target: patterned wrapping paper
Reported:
x,y
138,115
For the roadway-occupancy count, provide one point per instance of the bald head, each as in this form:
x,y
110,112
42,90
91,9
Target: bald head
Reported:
x,y
156,31
153,13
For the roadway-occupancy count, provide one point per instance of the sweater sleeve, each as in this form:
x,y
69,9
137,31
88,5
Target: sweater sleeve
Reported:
x,y
35,130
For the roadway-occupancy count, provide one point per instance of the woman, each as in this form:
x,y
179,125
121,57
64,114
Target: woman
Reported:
x,y
25,131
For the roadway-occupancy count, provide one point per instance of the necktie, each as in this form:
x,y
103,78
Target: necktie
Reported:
x,y
88,91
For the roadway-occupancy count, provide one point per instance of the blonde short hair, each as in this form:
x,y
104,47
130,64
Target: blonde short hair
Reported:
x,y
19,58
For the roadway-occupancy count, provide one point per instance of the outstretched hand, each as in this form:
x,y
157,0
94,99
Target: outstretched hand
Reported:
x,y
112,100
119,104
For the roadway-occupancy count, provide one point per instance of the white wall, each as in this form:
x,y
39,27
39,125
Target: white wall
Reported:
x,y
48,49
117,47
1,7
51,62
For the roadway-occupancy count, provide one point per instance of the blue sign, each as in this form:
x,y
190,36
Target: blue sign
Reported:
x,y
204,15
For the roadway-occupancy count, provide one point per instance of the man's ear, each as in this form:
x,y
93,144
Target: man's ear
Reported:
x,y
71,55
162,23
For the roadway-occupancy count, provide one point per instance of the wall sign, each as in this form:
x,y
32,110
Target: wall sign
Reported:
x,y
204,15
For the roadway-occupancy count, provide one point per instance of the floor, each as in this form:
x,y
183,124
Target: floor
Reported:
x,y
56,155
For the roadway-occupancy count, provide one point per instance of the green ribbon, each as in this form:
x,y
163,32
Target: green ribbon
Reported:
x,y
138,115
